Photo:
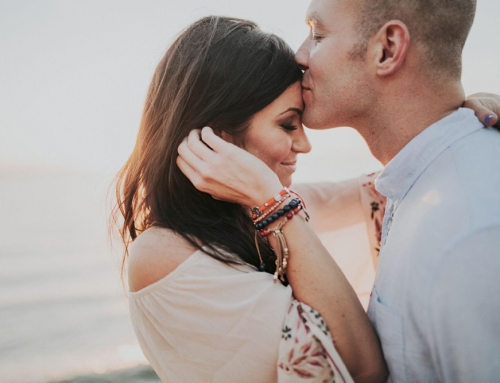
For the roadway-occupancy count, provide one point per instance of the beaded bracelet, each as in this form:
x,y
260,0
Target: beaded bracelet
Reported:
x,y
278,198
288,211
271,209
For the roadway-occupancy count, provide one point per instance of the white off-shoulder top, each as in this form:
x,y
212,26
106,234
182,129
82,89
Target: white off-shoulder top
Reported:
x,y
211,322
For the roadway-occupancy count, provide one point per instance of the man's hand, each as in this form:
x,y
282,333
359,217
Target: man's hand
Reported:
x,y
225,171
486,106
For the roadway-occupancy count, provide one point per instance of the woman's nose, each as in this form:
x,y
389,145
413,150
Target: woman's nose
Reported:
x,y
301,143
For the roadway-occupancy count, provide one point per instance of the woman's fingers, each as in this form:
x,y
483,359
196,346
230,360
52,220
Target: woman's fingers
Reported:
x,y
188,170
486,106
199,164
189,156
198,147
217,144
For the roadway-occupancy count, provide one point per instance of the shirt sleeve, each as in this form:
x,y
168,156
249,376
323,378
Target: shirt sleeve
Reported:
x,y
464,311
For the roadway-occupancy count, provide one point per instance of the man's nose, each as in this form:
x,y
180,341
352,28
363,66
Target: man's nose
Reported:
x,y
302,55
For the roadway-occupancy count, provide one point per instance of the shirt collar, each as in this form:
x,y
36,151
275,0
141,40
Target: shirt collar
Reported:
x,y
403,170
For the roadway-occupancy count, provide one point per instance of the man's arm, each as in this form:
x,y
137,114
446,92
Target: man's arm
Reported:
x,y
464,311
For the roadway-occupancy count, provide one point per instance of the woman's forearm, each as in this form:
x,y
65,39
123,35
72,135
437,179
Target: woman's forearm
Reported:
x,y
317,281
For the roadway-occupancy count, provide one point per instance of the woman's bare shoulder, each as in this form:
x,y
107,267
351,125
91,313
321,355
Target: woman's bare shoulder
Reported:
x,y
155,254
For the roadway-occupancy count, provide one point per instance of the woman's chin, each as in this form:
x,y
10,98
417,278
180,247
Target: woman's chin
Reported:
x,y
286,181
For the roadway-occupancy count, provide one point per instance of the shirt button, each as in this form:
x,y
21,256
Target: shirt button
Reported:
x,y
389,224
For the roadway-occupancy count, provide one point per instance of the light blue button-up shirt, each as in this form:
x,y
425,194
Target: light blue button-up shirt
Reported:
x,y
436,299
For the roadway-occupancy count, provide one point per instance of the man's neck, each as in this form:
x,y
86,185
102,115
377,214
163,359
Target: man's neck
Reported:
x,y
404,116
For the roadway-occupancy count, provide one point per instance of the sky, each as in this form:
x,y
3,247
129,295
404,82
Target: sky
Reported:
x,y
74,74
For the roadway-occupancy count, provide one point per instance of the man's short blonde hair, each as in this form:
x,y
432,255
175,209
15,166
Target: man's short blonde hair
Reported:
x,y
441,27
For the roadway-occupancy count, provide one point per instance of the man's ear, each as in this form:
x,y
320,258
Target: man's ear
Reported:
x,y
391,43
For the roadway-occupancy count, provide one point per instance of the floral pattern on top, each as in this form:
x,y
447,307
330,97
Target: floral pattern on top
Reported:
x,y
306,352
374,205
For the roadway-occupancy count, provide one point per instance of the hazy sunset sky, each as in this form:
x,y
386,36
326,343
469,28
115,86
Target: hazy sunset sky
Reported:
x,y
73,74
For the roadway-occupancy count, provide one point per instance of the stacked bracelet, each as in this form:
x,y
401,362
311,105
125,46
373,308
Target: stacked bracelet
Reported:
x,y
271,210
258,211
267,214
294,207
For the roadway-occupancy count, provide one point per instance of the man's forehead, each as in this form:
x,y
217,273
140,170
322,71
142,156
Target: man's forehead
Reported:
x,y
320,12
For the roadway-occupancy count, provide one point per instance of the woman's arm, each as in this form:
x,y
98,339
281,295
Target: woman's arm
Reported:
x,y
333,205
318,281
230,173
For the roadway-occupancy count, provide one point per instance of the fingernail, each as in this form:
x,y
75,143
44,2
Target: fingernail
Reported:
x,y
489,118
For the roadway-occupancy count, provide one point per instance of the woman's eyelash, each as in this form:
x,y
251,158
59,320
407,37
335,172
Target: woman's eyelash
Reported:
x,y
289,127
317,37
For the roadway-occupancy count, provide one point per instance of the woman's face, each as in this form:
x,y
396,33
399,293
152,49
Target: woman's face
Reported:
x,y
276,134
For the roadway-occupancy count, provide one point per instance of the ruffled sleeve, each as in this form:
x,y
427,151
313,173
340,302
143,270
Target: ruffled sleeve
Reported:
x,y
373,204
306,352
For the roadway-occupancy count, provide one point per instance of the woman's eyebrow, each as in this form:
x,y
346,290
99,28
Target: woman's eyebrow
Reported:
x,y
296,110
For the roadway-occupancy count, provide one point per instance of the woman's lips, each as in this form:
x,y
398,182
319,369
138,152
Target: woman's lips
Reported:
x,y
292,165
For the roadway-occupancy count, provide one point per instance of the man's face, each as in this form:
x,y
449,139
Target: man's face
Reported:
x,y
335,83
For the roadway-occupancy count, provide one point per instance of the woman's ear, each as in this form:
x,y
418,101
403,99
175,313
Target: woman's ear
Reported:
x,y
391,44
217,132
224,135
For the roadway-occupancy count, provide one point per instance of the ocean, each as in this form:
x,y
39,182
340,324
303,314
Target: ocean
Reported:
x,y
63,310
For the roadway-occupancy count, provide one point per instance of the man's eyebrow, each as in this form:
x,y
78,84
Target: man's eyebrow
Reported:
x,y
313,18
296,110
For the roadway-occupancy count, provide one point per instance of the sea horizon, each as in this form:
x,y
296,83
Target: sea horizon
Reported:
x,y
63,309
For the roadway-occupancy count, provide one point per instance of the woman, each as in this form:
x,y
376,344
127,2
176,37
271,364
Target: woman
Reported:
x,y
200,308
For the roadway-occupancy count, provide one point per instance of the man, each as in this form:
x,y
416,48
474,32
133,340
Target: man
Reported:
x,y
391,70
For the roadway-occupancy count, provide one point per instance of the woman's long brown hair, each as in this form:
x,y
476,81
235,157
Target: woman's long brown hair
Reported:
x,y
219,72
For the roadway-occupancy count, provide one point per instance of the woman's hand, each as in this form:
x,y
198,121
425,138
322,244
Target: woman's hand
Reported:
x,y
225,171
486,106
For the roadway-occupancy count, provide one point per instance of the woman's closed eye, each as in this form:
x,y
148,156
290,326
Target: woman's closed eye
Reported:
x,y
289,127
